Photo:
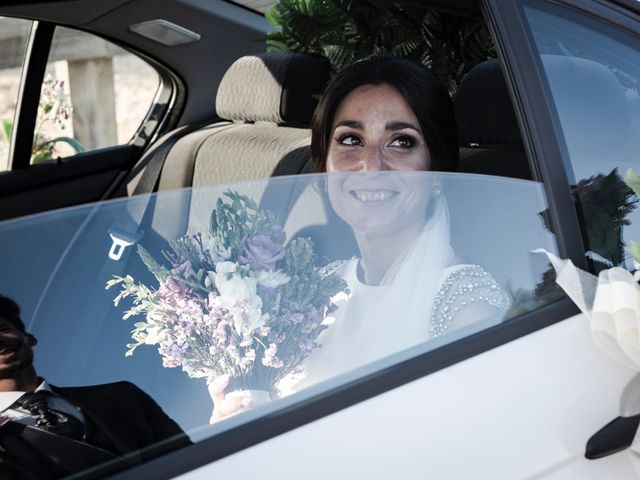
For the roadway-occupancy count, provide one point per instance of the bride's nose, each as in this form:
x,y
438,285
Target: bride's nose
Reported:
x,y
372,160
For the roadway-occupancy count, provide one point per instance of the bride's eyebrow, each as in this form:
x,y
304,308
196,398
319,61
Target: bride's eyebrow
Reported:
x,y
400,126
350,123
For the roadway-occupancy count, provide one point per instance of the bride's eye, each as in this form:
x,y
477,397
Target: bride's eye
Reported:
x,y
403,141
349,139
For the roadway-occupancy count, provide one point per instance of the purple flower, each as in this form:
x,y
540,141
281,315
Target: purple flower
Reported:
x,y
173,291
262,253
186,270
173,353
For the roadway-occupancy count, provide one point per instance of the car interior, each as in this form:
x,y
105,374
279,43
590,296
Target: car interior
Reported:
x,y
255,126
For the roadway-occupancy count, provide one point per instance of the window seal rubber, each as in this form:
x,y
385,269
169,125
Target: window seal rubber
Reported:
x,y
26,114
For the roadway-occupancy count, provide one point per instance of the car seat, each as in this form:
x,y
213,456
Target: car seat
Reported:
x,y
490,140
264,103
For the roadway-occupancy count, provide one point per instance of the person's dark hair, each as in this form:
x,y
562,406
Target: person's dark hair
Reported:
x,y
10,311
424,93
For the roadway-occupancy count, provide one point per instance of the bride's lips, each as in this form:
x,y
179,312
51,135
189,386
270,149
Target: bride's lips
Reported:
x,y
373,196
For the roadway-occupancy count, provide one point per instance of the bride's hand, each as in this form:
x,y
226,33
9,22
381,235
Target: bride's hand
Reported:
x,y
225,407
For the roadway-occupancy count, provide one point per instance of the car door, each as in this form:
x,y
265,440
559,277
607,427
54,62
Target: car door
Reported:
x,y
515,399
522,399
85,109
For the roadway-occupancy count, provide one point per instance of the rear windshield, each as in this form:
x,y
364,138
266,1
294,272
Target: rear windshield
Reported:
x,y
166,319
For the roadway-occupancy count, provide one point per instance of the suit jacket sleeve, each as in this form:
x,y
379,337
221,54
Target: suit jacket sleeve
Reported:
x,y
162,427
123,415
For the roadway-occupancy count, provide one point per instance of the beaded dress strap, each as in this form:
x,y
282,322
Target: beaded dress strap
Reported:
x,y
467,284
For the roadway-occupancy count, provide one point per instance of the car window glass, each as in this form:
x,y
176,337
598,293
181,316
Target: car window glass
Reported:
x,y
14,36
271,284
94,95
593,71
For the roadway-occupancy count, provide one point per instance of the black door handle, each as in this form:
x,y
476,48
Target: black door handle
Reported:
x,y
613,437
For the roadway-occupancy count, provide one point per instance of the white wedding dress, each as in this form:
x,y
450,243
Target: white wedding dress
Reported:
x,y
417,300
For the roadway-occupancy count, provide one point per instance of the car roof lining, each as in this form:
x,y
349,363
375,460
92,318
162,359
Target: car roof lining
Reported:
x,y
73,13
83,12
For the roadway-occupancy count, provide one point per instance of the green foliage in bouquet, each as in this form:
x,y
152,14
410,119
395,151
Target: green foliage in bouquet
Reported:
x,y
308,285
232,223
345,30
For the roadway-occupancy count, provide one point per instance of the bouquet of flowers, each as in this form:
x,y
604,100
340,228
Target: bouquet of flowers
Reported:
x,y
236,301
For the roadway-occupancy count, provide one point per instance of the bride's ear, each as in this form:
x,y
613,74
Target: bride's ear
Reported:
x,y
436,198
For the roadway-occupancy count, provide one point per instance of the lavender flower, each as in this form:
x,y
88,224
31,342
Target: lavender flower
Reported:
x,y
172,291
185,270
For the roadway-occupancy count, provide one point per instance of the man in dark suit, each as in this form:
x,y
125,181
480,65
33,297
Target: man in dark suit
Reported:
x,y
49,432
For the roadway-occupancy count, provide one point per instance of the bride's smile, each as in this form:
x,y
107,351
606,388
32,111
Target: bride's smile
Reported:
x,y
380,204
373,197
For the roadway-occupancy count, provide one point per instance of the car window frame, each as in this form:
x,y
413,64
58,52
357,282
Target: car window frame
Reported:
x,y
33,73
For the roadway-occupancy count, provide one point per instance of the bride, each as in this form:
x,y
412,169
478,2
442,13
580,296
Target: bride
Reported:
x,y
380,121
386,118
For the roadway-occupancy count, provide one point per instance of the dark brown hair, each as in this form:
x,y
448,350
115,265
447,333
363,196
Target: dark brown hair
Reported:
x,y
422,91
10,311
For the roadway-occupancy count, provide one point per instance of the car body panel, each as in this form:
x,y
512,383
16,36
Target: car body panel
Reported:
x,y
523,410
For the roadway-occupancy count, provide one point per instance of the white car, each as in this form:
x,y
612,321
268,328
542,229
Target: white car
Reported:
x,y
547,130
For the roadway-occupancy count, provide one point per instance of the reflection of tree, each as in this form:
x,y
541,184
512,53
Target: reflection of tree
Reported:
x,y
603,203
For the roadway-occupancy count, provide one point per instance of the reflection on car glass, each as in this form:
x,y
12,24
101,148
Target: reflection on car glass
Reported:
x,y
259,315
50,432
270,287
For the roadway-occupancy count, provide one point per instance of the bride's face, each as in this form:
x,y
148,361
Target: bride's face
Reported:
x,y
375,132
375,129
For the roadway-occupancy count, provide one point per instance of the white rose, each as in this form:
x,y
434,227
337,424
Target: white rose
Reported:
x,y
238,294
226,267
234,288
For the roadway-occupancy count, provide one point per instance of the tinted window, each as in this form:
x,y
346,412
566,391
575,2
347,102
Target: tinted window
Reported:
x,y
593,71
